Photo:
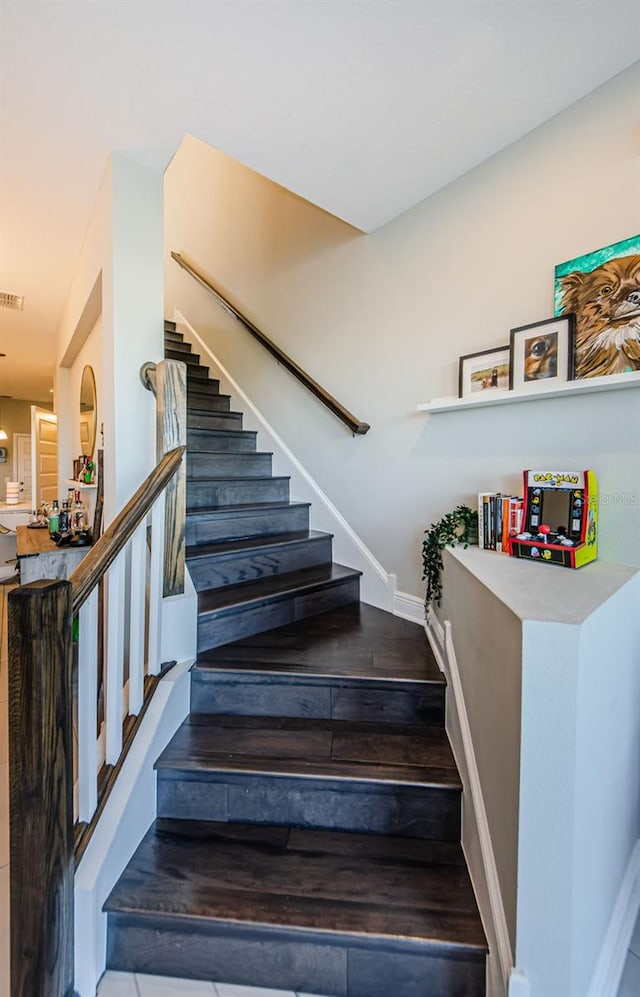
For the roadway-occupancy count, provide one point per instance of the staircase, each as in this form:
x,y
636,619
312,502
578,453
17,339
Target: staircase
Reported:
x,y
308,830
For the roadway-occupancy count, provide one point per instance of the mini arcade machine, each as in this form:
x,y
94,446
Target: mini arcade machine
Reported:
x,y
560,518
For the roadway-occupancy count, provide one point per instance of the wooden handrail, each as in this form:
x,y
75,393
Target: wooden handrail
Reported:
x,y
355,425
113,540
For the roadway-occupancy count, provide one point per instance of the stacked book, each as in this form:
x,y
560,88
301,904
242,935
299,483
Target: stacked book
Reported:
x,y
499,517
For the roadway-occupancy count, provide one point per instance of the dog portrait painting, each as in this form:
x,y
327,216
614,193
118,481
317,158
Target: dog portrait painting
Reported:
x,y
602,289
541,357
542,354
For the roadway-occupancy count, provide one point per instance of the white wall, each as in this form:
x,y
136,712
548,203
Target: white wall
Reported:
x,y
580,793
380,320
487,636
548,665
607,783
118,279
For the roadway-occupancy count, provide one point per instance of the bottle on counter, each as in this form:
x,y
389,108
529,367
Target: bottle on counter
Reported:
x,y
54,517
79,516
63,522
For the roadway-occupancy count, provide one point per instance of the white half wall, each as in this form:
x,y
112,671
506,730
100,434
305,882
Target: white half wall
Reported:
x,y
549,679
129,811
477,842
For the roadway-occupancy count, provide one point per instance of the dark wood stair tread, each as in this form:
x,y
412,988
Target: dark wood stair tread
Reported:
x,y
260,543
325,749
203,410
276,587
361,888
355,641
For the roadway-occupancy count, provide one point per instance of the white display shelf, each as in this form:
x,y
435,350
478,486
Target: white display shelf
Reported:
x,y
81,484
584,387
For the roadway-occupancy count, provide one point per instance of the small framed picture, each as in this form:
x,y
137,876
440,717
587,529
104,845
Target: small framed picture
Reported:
x,y
484,373
542,353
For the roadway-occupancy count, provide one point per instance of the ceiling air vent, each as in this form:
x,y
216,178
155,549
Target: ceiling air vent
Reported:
x,y
14,301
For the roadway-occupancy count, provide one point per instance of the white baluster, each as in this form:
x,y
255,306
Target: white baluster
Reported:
x,y
155,586
88,708
114,661
137,618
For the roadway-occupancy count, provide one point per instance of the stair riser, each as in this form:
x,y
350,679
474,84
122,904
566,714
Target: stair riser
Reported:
x,y
198,380
215,629
210,402
294,520
200,376
216,571
181,349
206,494
213,420
199,441
330,805
293,961
272,696
173,340
228,465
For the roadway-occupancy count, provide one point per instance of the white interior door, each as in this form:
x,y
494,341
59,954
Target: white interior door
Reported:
x,y
44,456
22,464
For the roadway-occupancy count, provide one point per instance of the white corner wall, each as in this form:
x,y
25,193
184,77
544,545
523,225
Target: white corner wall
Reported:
x,y
380,320
580,794
128,813
118,281
547,660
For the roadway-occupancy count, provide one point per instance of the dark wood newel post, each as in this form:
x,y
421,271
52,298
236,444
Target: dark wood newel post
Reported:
x,y
41,790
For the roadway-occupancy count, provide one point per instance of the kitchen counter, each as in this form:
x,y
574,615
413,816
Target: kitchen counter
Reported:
x,y
11,517
40,557
21,507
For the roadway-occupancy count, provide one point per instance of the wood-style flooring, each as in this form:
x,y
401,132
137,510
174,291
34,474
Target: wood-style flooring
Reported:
x,y
366,752
308,831
304,880
355,641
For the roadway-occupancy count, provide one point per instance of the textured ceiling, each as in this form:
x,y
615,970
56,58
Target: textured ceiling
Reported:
x,y
365,107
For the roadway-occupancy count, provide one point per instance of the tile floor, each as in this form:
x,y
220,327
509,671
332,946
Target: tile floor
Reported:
x,y
128,984
137,985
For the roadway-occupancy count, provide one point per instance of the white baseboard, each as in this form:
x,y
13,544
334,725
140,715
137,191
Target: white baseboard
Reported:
x,y
409,607
613,954
376,587
129,811
483,871
519,985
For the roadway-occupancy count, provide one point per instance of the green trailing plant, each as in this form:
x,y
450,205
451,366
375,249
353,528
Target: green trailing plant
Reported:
x,y
458,527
